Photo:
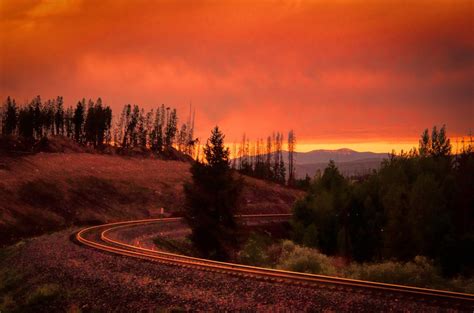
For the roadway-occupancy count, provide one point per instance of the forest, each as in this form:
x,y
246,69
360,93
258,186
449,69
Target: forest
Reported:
x,y
264,160
92,124
419,203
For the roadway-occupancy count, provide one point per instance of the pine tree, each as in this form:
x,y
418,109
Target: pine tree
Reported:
x,y
123,128
281,167
259,169
37,117
149,128
59,117
182,138
268,159
132,126
156,137
211,200
278,164
108,124
48,113
78,120
26,122
291,157
443,144
424,144
437,145
171,128
90,124
141,130
191,141
68,122
10,119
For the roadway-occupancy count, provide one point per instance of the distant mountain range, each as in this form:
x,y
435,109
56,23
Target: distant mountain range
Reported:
x,y
340,155
348,161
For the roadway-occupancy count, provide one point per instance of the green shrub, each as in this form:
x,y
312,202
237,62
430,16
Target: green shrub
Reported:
x,y
9,281
254,251
461,284
419,272
302,259
42,296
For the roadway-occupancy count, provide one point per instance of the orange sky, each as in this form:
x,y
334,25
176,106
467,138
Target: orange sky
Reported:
x,y
368,75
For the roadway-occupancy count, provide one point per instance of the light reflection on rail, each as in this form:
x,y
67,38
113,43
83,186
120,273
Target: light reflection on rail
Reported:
x,y
105,243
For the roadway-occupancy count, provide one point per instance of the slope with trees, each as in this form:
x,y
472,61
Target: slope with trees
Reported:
x,y
418,203
92,124
267,161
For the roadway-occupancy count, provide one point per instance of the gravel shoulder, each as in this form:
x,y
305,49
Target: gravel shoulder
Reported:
x,y
54,274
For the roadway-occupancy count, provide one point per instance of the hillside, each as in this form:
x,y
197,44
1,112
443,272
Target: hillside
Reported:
x,y
49,191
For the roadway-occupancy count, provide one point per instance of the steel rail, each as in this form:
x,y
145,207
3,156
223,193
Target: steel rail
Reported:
x,y
118,247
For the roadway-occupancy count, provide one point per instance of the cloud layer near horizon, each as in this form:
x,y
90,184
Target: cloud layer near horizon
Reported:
x,y
335,71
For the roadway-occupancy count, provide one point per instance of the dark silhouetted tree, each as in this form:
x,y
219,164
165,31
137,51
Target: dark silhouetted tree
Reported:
x,y
78,121
245,166
48,112
68,122
142,130
441,145
171,128
156,137
424,144
38,119
211,200
97,124
90,124
320,211
268,159
291,157
26,122
59,117
182,138
278,165
10,118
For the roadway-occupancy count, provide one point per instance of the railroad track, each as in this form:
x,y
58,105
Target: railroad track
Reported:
x,y
99,237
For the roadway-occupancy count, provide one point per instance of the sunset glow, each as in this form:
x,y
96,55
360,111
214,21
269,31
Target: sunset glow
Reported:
x,y
366,75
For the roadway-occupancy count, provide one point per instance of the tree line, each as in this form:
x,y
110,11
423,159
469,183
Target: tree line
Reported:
x,y
264,159
91,123
418,203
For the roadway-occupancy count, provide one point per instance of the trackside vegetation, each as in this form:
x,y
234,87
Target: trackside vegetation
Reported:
x,y
286,255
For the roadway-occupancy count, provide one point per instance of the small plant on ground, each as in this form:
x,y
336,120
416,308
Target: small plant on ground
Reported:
x,y
306,260
254,251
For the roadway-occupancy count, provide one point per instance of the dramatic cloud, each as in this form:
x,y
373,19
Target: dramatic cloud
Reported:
x,y
335,71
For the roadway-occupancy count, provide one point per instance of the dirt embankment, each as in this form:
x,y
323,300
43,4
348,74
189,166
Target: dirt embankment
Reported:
x,y
49,191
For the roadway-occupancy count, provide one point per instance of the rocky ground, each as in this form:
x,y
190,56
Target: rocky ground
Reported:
x,y
51,273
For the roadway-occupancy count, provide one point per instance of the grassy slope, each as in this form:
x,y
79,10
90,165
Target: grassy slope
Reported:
x,y
49,191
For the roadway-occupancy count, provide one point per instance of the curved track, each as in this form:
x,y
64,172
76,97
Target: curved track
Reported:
x,y
98,237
